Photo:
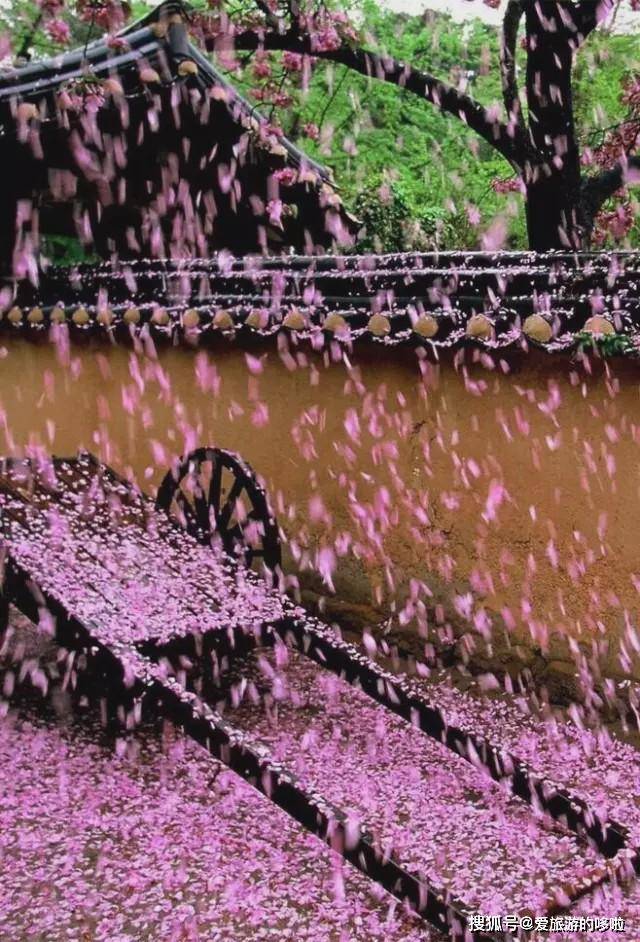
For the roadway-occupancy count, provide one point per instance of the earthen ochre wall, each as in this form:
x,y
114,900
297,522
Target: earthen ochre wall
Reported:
x,y
519,483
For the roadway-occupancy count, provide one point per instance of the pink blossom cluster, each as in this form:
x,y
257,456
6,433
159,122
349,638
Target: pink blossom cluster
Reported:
x,y
287,176
510,185
111,15
329,29
292,61
59,31
618,142
615,223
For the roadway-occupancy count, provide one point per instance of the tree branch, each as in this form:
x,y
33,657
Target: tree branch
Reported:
x,y
512,143
24,50
597,190
588,14
510,24
331,99
271,18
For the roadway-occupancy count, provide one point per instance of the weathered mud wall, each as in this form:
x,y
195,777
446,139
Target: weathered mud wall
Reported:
x,y
518,483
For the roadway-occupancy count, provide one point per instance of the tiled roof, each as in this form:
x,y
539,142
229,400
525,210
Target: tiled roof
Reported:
x,y
147,41
506,300
152,95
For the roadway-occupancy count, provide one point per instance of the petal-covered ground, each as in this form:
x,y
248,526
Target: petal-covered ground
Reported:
x,y
592,763
163,844
438,814
156,840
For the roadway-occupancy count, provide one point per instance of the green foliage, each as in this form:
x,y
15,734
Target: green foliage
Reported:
x,y
600,69
607,345
66,250
415,177
374,135
23,22
392,223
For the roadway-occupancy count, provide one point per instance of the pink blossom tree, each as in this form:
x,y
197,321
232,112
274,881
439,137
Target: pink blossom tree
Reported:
x,y
534,129
567,187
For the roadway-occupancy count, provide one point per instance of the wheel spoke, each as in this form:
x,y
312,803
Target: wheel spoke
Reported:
x,y
191,522
202,513
230,504
195,488
215,487
233,540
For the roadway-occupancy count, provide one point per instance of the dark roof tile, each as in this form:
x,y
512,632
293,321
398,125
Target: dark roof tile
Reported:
x,y
554,301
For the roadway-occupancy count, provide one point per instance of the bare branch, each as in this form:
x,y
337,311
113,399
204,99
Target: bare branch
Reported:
x,y
512,143
510,24
330,100
597,190
24,52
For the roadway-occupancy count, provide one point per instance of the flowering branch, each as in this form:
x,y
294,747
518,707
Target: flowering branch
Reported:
x,y
272,19
618,153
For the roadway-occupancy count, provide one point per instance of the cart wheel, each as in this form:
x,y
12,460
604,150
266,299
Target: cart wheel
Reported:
x,y
214,493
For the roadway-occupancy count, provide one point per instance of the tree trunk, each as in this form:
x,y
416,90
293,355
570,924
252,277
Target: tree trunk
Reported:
x,y
554,213
555,217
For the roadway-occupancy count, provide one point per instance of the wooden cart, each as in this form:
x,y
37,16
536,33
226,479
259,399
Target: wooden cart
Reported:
x,y
135,590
